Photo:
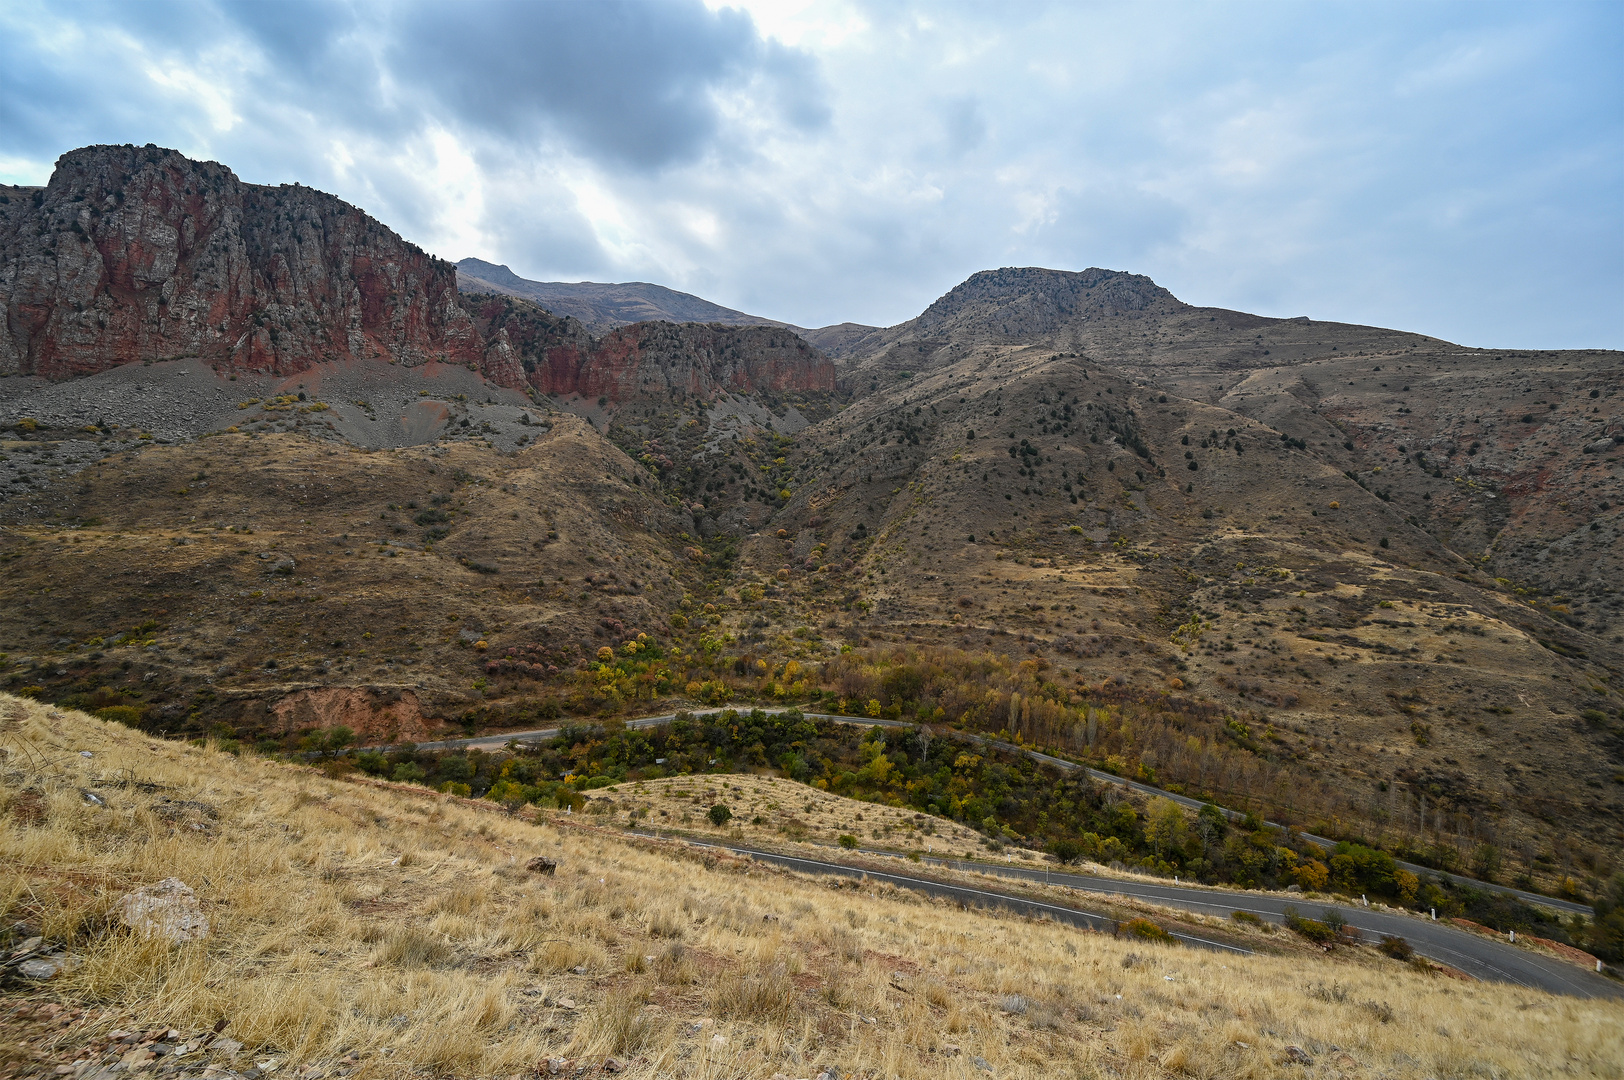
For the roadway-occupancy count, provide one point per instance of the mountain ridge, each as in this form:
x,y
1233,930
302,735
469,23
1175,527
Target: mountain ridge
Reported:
x,y
604,306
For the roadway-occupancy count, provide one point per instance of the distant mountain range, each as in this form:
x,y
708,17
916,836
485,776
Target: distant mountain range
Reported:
x,y
603,306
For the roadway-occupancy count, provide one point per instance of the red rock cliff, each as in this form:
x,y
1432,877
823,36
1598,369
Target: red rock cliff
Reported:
x,y
661,359
135,253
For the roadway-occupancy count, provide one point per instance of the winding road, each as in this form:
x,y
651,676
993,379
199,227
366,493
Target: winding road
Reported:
x,y
496,742
1475,954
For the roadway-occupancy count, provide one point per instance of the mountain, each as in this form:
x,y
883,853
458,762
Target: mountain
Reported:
x,y
140,254
1358,579
602,307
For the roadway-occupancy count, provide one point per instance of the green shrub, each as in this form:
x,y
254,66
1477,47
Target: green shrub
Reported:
x,y
720,815
1312,929
370,761
1066,850
1396,947
1144,928
128,715
408,772
848,841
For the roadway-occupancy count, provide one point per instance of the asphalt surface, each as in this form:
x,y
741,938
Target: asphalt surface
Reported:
x,y
964,894
1479,956
496,742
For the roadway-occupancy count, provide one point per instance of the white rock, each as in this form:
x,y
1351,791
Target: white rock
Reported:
x,y
167,909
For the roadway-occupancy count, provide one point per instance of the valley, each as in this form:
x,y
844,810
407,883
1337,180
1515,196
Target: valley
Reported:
x,y
269,473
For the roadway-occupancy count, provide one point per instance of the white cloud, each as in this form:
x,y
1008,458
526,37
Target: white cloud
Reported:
x,y
821,161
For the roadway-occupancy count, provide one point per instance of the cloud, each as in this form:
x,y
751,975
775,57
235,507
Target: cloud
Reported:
x,y
1449,168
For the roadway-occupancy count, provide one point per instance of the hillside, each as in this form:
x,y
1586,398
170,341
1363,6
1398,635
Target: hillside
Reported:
x,y
1354,579
421,941
603,307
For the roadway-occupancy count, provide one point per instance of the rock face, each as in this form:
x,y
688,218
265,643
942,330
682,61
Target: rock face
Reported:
x,y
661,360
139,253
135,253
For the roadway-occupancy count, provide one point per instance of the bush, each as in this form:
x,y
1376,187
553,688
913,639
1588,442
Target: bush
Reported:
x,y
848,841
1396,947
720,815
1066,850
1144,928
371,761
128,715
1312,929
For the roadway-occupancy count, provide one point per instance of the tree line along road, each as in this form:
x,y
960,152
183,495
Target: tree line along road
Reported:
x,y
496,742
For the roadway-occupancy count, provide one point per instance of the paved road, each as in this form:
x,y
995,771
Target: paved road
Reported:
x,y
1477,955
964,894
496,742
1481,957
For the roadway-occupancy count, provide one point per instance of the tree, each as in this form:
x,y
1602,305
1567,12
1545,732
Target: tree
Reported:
x,y
1066,849
1165,828
720,815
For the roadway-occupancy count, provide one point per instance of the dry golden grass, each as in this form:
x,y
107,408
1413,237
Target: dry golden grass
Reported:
x,y
401,926
787,811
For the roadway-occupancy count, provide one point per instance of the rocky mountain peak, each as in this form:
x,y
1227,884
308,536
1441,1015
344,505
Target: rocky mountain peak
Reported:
x,y
1016,301
140,253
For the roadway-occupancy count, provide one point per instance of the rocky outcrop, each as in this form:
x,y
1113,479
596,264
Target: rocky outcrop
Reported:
x,y
1019,301
139,253
660,359
518,335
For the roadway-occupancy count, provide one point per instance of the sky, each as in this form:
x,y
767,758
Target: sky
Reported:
x,y
1452,169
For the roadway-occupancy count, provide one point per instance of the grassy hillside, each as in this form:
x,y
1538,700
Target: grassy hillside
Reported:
x,y
380,930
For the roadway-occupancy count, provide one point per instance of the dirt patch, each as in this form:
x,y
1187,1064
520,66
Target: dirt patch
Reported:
x,y
365,712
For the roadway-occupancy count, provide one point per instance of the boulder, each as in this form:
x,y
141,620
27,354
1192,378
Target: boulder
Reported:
x,y
167,909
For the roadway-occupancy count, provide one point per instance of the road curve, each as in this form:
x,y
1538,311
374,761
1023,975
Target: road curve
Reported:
x,y
964,894
496,742
1481,957
1477,955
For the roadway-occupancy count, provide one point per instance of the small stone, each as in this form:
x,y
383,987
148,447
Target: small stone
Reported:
x,y
226,1046
1298,1056
541,865
613,1065
718,1041
579,970
981,1063
42,967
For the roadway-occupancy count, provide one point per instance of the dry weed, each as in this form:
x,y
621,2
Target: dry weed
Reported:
x,y
358,918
